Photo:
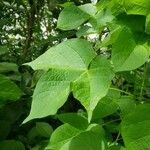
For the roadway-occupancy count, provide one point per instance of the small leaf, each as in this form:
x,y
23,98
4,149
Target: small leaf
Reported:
x,y
8,89
101,19
74,119
3,50
62,135
75,16
89,9
126,55
44,129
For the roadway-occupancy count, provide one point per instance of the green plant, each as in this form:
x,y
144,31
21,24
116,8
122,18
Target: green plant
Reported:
x,y
108,77
89,89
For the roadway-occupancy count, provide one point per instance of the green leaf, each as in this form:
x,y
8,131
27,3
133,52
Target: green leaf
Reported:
x,y
93,85
112,37
117,7
3,50
51,93
32,134
103,4
136,59
74,54
126,104
11,145
84,31
62,135
101,19
5,127
136,23
67,137
126,55
147,24
44,129
137,7
68,61
6,67
115,147
8,89
135,128
86,140
89,9
74,119
105,107
75,16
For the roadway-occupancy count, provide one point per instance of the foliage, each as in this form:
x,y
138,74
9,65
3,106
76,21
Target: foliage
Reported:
x,y
90,87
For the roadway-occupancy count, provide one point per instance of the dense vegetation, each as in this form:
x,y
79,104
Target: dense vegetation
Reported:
x,y
74,75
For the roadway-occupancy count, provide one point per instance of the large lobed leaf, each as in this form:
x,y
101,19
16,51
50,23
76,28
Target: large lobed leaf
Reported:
x,y
68,65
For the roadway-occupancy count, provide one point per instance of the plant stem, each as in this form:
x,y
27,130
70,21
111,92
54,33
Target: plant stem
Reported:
x,y
143,82
111,121
122,91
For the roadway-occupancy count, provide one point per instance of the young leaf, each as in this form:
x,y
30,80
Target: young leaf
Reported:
x,y
44,129
89,9
101,19
71,18
126,55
